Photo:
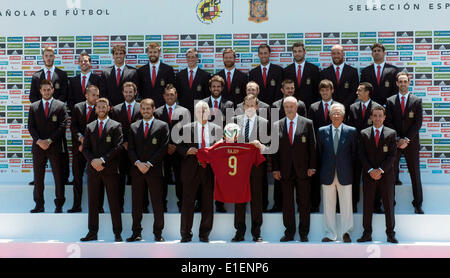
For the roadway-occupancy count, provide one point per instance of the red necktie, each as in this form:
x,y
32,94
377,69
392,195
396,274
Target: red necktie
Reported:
x,y
265,77
203,145
229,81
364,110
337,75
299,75
377,137
83,85
100,129
403,105
215,107
170,114
153,76
378,74
88,114
46,109
118,77
326,111
49,75
191,79
146,130
291,132
129,113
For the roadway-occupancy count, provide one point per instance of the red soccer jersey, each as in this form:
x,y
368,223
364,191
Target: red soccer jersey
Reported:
x,y
231,164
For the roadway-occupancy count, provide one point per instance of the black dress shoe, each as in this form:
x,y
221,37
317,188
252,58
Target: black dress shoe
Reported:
x,y
220,208
204,239
275,209
197,208
355,209
31,183
286,239
378,211
145,210
304,238
347,238
37,209
327,239
365,238
58,210
257,239
418,210
392,239
118,238
69,182
90,236
237,238
101,210
159,239
398,182
185,239
72,210
121,210
134,237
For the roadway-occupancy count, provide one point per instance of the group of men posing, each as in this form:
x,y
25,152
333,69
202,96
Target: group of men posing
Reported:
x,y
124,125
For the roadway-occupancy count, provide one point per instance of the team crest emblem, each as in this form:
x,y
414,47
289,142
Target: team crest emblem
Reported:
x,y
258,11
208,11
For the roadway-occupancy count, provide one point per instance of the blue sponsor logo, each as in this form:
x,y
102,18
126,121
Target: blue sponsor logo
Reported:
x,y
423,166
442,69
418,58
420,94
15,108
184,50
143,62
84,38
207,61
171,44
351,59
245,55
28,160
224,37
3,131
29,58
387,41
351,54
145,57
95,57
436,63
313,42
153,37
405,59
27,149
368,34
436,171
445,161
442,33
295,35
442,105
405,47
406,53
445,124
392,53
181,55
32,45
445,88
445,52
105,62
242,43
442,141
247,61
14,142
285,55
436,99
313,60
101,44
327,47
432,135
15,39
3,63
3,97
131,57
366,59
3,166
27,80
14,73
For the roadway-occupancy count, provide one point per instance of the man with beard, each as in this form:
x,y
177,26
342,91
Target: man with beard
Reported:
x,y
114,77
235,79
154,76
305,75
101,148
344,77
268,76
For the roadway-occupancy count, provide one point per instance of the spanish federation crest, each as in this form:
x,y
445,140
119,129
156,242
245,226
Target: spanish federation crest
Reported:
x,y
258,11
208,11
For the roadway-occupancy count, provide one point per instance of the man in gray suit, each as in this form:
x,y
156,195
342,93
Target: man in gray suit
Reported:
x,y
337,146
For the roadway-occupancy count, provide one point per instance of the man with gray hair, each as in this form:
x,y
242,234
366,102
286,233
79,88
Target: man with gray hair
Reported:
x,y
337,148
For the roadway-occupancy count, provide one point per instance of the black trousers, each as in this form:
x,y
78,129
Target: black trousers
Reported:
x,y
95,182
172,164
386,187
302,189
65,161
413,162
139,189
256,178
124,172
205,180
40,158
78,167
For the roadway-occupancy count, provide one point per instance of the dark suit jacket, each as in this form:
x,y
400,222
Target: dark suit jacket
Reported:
x,y
109,87
382,156
164,76
75,94
223,106
53,127
345,92
151,149
410,123
190,165
302,155
59,80
108,146
119,113
198,91
272,92
78,122
238,86
301,110
388,85
309,85
180,117
355,118
342,161
317,114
